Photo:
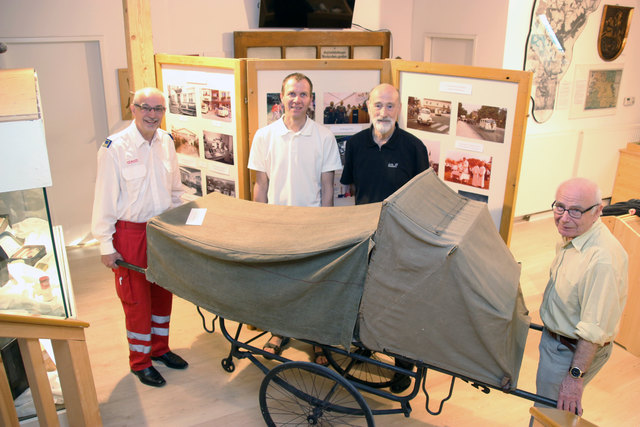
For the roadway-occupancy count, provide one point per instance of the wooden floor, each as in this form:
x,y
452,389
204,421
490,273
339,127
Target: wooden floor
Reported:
x,y
206,395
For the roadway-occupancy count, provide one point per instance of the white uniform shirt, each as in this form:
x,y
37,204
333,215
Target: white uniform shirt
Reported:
x,y
136,181
294,161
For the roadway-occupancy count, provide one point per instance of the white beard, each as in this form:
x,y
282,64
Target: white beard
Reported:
x,y
383,127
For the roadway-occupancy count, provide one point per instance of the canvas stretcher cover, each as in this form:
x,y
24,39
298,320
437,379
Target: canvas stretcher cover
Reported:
x,y
442,287
294,271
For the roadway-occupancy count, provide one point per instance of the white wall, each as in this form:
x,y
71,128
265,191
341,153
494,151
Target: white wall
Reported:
x,y
564,147
485,20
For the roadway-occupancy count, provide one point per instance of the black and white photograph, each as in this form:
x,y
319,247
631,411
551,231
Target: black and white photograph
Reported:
x,y
345,107
474,196
430,115
218,147
341,192
220,185
275,109
433,149
481,122
192,180
186,142
182,100
215,104
468,169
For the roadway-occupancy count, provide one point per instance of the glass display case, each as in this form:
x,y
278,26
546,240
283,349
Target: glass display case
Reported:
x,y
34,278
30,280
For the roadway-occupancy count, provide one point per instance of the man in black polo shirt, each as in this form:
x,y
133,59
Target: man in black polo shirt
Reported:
x,y
381,159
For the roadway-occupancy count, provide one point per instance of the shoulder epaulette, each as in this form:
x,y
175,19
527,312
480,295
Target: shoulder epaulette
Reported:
x,y
106,143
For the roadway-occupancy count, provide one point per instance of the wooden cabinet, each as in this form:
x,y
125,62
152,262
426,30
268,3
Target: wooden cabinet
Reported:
x,y
627,183
626,228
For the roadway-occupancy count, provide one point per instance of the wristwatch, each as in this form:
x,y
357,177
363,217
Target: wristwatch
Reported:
x,y
576,372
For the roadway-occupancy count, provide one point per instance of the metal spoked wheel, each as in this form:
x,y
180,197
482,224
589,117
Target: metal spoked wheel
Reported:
x,y
306,394
363,372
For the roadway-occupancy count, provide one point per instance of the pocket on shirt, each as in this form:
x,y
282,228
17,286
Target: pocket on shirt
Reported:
x,y
133,176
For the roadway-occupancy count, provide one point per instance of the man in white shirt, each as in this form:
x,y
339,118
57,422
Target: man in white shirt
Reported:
x,y
295,160
584,298
138,178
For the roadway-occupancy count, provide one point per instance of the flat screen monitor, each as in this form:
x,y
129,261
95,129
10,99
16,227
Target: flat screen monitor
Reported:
x,y
306,13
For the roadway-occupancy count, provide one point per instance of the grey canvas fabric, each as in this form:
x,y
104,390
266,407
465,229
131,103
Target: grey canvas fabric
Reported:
x,y
442,287
295,271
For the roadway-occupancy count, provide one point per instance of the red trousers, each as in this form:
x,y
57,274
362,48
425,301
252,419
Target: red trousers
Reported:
x,y
147,306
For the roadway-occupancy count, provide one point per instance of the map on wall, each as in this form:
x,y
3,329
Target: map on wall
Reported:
x,y
603,89
555,26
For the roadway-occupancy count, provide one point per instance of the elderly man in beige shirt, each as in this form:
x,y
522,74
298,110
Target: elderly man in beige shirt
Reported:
x,y
584,298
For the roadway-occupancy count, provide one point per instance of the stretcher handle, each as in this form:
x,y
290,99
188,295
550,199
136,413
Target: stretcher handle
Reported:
x,y
121,263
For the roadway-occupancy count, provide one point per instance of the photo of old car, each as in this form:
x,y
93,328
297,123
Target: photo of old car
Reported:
x,y
424,117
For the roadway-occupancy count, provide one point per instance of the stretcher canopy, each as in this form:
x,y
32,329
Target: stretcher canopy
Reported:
x,y
442,287
294,271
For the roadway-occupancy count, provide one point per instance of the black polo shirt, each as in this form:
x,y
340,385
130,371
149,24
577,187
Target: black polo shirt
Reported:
x,y
377,172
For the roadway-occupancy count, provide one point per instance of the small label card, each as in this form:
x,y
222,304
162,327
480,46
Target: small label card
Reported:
x,y
196,216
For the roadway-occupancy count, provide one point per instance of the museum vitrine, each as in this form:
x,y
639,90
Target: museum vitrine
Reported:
x,y
34,279
30,279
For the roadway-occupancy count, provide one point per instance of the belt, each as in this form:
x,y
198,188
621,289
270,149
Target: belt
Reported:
x,y
570,343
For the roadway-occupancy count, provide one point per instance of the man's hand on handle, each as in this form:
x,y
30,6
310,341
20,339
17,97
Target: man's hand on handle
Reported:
x,y
110,260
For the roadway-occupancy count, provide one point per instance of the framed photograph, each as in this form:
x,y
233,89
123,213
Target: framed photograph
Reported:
x,y
485,122
429,115
596,90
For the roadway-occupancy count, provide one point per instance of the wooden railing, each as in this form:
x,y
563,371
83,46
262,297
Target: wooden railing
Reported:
x,y
74,370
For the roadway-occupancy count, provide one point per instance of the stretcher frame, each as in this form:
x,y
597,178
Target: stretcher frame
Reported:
x,y
322,406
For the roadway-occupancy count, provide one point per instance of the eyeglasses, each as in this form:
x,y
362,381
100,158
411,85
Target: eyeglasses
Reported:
x,y
573,213
147,109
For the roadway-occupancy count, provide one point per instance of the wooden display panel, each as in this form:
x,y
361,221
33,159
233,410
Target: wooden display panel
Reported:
x,y
473,122
627,182
323,43
207,118
626,228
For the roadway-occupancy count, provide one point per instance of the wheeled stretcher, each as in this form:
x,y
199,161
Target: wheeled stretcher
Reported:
x,y
423,277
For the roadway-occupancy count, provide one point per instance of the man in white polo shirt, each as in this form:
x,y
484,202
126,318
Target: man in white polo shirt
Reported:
x,y
294,159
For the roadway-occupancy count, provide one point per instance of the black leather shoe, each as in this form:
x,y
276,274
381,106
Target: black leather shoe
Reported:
x,y
150,376
400,383
172,360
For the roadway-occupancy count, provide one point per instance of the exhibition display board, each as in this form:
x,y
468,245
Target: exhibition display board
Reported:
x,y
471,119
473,122
340,89
206,117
